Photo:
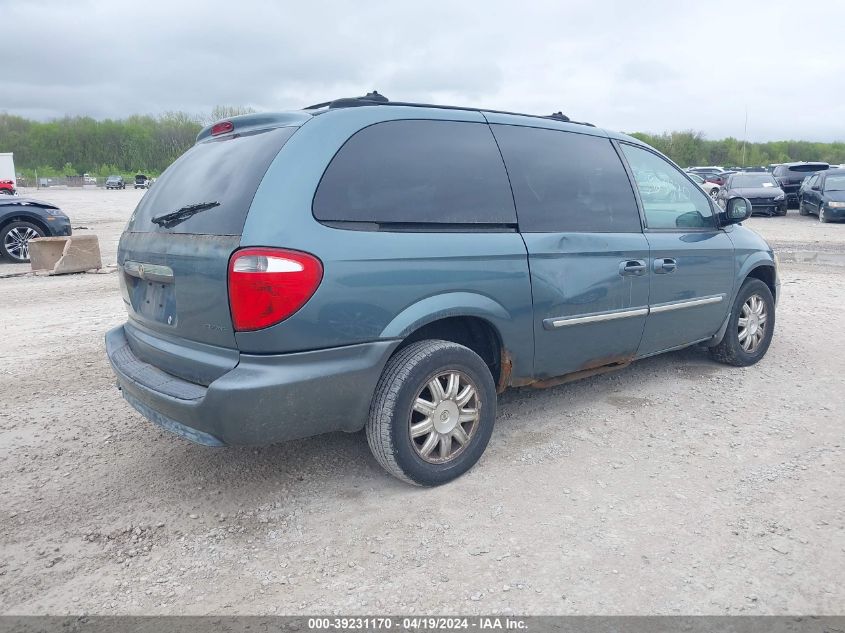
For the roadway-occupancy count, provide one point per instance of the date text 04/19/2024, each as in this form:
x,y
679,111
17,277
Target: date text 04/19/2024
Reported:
x,y
424,623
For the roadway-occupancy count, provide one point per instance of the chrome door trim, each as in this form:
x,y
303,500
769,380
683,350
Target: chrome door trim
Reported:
x,y
686,303
597,317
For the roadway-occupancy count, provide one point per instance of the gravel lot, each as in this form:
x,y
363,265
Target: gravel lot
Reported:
x,y
676,485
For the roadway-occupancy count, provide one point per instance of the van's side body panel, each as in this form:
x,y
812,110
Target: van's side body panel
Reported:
x,y
316,371
372,277
690,303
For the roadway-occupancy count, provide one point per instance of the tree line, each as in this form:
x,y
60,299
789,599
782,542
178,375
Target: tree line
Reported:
x,y
148,144
691,148
76,145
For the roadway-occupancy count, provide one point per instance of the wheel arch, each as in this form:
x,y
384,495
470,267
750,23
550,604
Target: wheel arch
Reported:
x,y
761,267
766,273
25,217
475,321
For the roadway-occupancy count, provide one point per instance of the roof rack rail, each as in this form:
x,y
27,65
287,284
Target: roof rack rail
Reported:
x,y
375,98
560,116
371,98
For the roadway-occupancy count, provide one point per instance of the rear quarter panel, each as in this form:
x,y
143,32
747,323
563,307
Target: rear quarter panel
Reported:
x,y
382,285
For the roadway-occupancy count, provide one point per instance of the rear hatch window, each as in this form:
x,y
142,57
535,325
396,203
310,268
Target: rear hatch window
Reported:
x,y
221,173
174,271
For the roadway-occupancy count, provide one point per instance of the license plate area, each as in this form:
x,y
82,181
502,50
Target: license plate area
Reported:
x,y
152,292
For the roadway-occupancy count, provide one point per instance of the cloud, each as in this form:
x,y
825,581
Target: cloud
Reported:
x,y
650,66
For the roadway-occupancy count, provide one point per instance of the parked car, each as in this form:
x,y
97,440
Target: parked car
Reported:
x,y
142,182
791,175
22,219
719,179
362,264
706,172
824,195
115,182
761,189
716,175
710,188
7,187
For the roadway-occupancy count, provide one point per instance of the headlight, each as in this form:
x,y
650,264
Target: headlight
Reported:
x,y
780,197
836,205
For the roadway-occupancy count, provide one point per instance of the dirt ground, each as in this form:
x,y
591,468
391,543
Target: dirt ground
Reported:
x,y
674,486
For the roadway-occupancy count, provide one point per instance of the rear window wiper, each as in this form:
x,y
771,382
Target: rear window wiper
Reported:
x,y
173,218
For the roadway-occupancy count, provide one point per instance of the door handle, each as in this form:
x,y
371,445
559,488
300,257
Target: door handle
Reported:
x,y
665,265
632,267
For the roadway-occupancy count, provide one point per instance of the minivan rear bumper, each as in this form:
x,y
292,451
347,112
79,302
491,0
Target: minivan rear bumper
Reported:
x,y
265,399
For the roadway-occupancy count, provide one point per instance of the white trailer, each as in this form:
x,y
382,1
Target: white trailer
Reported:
x,y
7,168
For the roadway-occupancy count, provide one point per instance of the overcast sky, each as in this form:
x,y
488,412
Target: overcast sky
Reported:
x,y
625,65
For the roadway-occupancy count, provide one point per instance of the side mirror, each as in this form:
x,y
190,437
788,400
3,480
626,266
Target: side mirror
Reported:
x,y
737,209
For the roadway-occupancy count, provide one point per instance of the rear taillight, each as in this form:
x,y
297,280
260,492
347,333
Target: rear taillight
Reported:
x,y
267,285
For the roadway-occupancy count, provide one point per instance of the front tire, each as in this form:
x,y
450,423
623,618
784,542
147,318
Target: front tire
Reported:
x,y
822,217
432,413
14,240
750,326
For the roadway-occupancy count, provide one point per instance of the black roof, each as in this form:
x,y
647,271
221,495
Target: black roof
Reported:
x,y
374,98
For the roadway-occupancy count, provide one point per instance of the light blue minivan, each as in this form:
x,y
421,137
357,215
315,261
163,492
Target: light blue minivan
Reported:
x,y
367,264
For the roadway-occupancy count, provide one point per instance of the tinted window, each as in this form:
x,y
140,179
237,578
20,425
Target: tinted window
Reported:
x,y
564,181
227,171
669,200
417,172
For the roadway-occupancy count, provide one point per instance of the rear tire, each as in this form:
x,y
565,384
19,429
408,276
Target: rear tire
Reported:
x,y
451,424
750,326
801,209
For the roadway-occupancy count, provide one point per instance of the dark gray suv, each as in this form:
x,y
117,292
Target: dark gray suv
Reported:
x,y
365,264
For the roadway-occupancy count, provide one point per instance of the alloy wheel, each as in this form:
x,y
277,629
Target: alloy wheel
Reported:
x,y
752,323
16,241
445,416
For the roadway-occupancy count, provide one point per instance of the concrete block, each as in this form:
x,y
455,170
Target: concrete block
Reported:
x,y
61,255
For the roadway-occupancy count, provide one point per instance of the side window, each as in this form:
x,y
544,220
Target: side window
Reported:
x,y
563,181
430,172
811,181
670,201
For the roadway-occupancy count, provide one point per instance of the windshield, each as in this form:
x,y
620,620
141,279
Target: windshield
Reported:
x,y
835,183
753,180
